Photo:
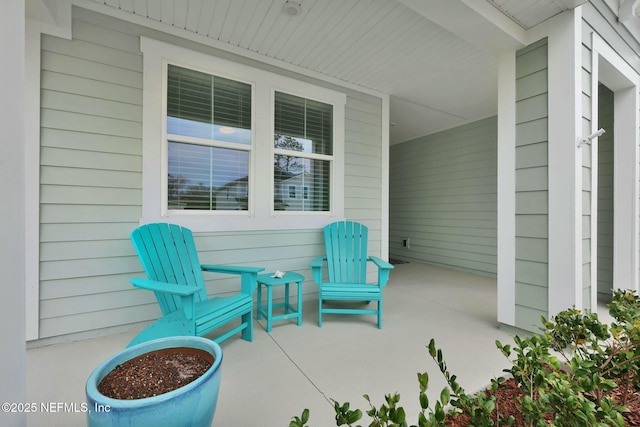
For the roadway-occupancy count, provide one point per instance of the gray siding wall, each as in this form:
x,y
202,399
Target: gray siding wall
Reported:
x,y
443,197
532,255
91,183
605,192
586,182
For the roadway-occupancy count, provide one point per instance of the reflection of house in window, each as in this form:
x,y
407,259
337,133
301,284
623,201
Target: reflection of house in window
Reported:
x,y
280,176
207,178
297,184
232,196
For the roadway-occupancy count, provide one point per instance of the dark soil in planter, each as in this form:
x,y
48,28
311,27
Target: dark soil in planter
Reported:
x,y
155,373
507,404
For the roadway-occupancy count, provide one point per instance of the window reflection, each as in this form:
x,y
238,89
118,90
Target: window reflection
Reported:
x,y
185,127
207,178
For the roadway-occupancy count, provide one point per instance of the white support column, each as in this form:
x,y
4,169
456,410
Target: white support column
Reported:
x,y
595,99
12,224
384,187
565,178
506,188
52,18
32,180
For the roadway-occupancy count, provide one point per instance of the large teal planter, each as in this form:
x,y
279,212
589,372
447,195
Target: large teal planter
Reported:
x,y
193,405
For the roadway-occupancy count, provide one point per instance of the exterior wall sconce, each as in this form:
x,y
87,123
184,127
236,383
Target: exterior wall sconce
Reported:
x,y
587,139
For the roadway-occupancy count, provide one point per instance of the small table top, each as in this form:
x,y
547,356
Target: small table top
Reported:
x,y
289,277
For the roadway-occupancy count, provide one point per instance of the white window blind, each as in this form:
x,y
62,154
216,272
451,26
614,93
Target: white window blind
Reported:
x,y
303,147
206,116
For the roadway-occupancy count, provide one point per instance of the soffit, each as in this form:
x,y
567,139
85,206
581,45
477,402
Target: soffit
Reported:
x,y
435,58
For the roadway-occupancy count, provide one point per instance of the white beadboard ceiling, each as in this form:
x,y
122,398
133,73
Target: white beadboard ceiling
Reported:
x,y
435,58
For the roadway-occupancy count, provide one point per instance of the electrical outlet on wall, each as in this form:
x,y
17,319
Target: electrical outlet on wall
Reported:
x,y
406,242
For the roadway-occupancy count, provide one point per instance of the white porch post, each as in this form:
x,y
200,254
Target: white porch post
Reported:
x,y
609,68
12,225
506,188
565,198
625,188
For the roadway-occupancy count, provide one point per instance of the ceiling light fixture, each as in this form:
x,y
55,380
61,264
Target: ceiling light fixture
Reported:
x,y
227,130
291,8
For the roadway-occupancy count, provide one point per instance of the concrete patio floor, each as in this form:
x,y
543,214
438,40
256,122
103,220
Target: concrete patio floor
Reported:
x,y
266,382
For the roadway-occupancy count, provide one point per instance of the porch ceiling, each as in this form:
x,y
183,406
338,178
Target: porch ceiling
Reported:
x,y
435,58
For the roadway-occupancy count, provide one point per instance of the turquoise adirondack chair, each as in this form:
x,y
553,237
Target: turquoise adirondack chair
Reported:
x,y
346,259
170,260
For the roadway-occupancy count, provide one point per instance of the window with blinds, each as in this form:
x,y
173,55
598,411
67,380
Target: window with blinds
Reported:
x,y
303,153
209,140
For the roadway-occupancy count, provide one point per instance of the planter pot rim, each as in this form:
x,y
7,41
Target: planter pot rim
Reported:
x,y
108,365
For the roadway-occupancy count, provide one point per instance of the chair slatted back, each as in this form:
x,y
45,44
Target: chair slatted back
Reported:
x,y
346,247
168,254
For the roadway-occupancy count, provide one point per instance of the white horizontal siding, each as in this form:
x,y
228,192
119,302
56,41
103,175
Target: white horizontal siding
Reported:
x,y
69,139
91,184
363,164
90,87
605,193
443,197
63,176
586,99
532,206
88,69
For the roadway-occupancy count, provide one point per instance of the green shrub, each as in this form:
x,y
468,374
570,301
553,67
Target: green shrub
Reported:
x,y
565,372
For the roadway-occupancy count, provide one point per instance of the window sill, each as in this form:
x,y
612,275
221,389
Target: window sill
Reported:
x,y
243,222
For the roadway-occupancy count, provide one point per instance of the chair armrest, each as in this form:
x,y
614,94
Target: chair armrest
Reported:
x,y
184,292
383,269
230,269
248,275
317,261
380,263
316,268
170,288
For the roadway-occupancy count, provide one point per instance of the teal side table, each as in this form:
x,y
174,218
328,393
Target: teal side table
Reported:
x,y
289,312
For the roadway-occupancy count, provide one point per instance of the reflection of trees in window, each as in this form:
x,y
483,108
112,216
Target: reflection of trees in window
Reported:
x,y
183,195
176,185
286,163
303,143
207,178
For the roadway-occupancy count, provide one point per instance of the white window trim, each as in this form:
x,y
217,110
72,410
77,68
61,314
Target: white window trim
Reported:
x,y
611,69
165,212
261,215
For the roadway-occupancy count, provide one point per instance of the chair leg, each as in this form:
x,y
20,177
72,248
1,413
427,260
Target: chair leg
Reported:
x,y
269,307
299,303
247,333
286,298
258,305
379,314
320,312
